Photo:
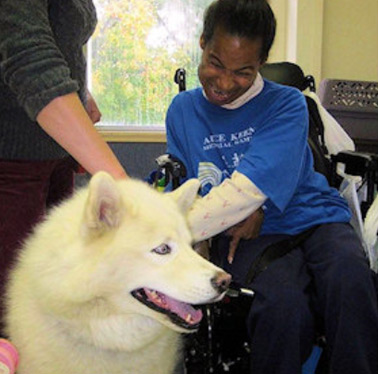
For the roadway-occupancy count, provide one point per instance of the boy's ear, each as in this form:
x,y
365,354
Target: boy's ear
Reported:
x,y
103,208
186,194
202,42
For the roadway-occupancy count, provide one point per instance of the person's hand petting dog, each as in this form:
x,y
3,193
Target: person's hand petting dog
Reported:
x,y
245,230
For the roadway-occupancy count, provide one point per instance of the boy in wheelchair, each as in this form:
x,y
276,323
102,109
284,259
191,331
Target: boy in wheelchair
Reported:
x,y
245,138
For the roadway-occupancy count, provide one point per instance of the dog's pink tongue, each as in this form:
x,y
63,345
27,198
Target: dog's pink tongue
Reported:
x,y
183,310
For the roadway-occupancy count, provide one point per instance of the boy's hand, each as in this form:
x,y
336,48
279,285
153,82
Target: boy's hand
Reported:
x,y
247,229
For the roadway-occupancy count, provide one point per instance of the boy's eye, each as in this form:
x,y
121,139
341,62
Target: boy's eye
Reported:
x,y
162,249
216,64
243,74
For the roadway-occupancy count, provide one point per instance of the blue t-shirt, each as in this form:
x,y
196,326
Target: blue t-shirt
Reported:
x,y
266,140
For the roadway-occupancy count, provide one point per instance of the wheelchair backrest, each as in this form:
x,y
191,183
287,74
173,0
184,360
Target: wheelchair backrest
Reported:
x,y
290,74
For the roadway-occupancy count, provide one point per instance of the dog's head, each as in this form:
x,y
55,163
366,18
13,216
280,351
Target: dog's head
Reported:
x,y
143,259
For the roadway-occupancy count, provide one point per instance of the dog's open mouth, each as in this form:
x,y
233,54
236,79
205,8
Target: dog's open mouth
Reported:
x,y
180,313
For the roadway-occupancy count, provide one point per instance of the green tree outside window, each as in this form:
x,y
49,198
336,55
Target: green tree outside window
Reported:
x,y
134,53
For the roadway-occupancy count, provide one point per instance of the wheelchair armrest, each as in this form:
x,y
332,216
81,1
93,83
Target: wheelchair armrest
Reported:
x,y
356,163
364,165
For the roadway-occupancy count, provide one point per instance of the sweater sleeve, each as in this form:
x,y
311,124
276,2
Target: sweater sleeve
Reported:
x,y
31,63
224,206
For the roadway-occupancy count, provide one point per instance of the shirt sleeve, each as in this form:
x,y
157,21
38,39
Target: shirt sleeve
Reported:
x,y
31,63
276,156
224,206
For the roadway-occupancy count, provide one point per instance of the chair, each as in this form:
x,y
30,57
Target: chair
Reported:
x,y
292,75
216,348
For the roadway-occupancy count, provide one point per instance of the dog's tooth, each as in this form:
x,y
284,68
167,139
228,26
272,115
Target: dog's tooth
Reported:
x,y
188,318
154,294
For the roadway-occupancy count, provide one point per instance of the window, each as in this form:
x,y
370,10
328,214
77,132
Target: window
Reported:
x,y
133,56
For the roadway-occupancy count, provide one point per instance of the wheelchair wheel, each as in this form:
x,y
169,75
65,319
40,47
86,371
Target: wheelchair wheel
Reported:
x,y
232,346
199,347
221,344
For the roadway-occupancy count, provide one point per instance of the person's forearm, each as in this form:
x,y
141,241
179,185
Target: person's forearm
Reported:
x,y
67,122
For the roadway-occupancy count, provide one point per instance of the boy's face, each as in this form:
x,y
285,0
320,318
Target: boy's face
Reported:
x,y
228,66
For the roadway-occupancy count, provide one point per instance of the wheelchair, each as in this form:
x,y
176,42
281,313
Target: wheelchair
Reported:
x,y
221,345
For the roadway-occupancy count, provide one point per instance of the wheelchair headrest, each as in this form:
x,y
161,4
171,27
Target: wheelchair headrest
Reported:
x,y
289,74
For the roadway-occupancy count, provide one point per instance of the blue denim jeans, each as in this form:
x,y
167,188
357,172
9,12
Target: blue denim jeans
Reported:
x,y
326,280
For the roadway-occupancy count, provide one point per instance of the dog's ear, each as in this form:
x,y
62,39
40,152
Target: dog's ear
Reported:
x,y
103,209
185,194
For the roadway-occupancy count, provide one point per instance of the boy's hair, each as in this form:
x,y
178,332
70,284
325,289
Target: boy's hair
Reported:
x,y
252,19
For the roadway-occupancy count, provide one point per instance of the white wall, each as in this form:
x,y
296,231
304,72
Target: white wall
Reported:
x,y
350,40
336,39
278,52
299,34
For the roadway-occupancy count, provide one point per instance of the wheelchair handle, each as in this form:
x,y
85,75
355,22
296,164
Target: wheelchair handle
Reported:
x,y
234,290
173,167
180,79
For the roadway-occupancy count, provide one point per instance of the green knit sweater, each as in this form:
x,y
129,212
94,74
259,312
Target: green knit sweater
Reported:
x,y
41,58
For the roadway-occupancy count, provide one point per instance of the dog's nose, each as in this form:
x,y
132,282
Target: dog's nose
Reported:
x,y
221,281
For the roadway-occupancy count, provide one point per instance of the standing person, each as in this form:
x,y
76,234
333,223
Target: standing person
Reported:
x,y
245,138
46,113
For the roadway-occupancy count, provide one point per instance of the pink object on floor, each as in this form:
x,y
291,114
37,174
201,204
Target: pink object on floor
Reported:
x,y
8,357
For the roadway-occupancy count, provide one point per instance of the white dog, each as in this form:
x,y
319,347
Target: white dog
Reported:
x,y
104,284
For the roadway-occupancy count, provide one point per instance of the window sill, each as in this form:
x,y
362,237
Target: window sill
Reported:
x,y
132,136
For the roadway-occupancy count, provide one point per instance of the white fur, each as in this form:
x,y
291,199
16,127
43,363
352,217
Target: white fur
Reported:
x,y
69,305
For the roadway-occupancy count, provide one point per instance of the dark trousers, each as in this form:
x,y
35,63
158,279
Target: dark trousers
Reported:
x,y
327,279
27,190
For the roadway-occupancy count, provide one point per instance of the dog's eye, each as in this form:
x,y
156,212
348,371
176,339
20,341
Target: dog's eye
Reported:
x,y
163,249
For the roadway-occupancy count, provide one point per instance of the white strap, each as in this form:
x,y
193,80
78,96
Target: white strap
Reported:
x,y
335,137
